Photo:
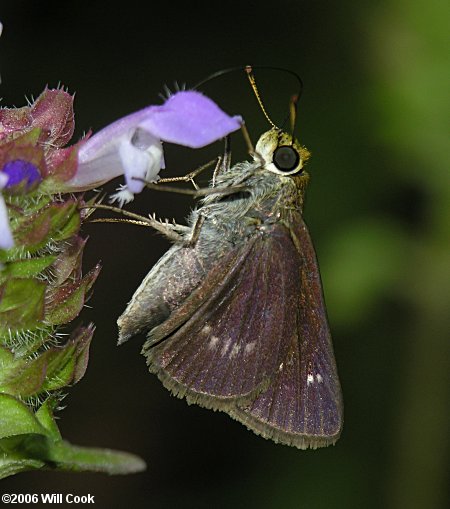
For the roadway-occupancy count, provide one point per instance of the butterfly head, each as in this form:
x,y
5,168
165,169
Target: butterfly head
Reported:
x,y
282,154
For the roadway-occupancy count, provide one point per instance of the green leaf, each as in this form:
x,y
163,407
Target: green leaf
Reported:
x,y
34,231
16,418
24,378
65,220
15,456
11,464
68,300
82,337
68,263
68,364
45,417
21,304
26,344
51,370
75,458
60,369
6,359
66,303
27,268
56,221
33,451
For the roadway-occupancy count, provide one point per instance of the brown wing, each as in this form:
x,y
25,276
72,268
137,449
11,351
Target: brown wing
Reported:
x,y
303,404
225,343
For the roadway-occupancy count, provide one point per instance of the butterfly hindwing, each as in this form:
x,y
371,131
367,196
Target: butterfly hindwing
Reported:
x,y
226,342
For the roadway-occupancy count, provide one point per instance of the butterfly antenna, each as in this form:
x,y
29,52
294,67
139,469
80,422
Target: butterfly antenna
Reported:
x,y
293,114
251,78
215,75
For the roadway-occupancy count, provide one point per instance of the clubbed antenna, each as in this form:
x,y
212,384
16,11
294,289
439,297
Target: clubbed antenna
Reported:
x,y
251,78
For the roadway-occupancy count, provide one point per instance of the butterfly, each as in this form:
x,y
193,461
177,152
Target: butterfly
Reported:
x,y
234,311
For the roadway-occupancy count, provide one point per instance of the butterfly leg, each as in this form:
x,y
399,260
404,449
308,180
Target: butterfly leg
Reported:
x,y
195,232
172,231
191,175
197,193
223,163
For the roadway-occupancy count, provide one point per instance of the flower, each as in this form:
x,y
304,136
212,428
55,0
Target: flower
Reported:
x,y
132,145
30,150
6,238
16,176
20,172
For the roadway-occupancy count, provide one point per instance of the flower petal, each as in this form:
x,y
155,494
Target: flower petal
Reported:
x,y
191,119
132,144
96,167
140,163
122,196
20,171
6,238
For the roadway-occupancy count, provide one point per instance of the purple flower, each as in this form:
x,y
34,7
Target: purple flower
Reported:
x,y
14,175
132,145
21,172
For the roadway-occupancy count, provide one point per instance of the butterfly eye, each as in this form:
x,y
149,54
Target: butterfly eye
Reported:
x,y
286,158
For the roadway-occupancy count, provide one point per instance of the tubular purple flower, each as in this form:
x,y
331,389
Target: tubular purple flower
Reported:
x,y
19,172
6,238
132,145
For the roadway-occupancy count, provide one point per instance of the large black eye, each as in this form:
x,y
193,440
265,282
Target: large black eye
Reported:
x,y
286,158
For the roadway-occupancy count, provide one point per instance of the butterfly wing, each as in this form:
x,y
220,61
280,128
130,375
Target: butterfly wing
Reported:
x,y
225,343
303,404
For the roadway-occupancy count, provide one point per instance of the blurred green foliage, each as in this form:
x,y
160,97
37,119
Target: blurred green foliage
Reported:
x,y
407,262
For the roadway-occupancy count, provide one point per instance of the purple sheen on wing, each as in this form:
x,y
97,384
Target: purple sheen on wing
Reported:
x,y
191,119
303,405
225,350
19,171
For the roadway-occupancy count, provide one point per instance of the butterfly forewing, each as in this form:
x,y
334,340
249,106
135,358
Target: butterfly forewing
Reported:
x,y
303,404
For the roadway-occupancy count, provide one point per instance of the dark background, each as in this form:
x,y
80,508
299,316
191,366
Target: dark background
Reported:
x,y
374,114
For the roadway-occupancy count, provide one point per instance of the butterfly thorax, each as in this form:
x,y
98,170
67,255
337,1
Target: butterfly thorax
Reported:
x,y
269,194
